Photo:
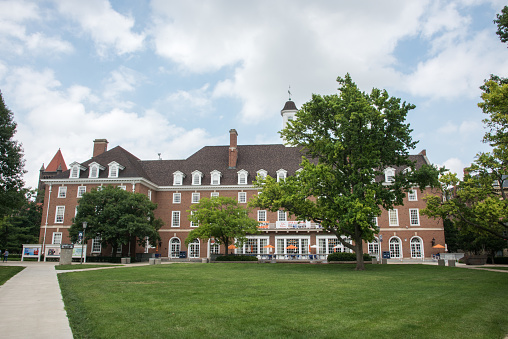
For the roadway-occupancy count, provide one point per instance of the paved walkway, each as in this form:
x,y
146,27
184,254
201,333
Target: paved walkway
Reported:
x,y
31,304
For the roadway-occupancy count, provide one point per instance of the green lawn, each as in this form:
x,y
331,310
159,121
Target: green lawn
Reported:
x,y
7,272
286,301
80,267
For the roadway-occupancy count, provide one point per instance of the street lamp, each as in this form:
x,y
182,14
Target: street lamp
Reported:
x,y
83,240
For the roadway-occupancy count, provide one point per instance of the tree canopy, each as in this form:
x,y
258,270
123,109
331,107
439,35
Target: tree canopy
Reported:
x,y
479,201
348,140
117,217
22,225
11,163
221,218
502,24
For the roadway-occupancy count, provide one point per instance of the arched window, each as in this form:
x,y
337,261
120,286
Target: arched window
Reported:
x,y
281,175
395,248
75,172
178,178
215,177
194,249
389,175
174,248
242,177
374,248
196,177
416,247
94,171
262,173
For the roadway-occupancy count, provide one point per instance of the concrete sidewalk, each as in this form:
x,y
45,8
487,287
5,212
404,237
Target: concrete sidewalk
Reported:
x,y
31,304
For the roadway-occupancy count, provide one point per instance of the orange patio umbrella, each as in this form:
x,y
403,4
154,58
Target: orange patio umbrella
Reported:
x,y
438,246
291,247
269,246
232,247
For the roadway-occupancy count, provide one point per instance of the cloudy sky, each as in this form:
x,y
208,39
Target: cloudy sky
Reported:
x,y
171,77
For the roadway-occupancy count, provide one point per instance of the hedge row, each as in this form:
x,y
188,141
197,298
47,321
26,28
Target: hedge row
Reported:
x,y
344,256
236,258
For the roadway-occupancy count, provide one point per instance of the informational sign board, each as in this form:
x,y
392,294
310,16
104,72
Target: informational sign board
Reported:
x,y
53,251
31,251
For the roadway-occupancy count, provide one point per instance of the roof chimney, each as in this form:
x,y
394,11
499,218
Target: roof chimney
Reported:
x,y
99,146
233,152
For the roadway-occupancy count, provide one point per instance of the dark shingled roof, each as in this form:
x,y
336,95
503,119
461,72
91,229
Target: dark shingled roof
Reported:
x,y
131,163
289,106
251,158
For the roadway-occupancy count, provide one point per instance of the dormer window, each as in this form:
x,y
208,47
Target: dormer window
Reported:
x,y
389,174
75,170
178,178
281,175
196,177
215,177
94,169
114,169
242,177
262,174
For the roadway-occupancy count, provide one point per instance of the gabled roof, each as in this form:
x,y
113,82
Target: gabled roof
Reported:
x,y
131,164
57,161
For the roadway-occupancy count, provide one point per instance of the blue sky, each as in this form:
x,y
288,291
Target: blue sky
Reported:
x,y
171,77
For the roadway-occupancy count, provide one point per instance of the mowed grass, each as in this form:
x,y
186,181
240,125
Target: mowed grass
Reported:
x,y
7,272
286,301
81,267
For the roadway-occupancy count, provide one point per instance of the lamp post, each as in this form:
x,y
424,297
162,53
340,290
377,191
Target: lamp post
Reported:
x,y
83,240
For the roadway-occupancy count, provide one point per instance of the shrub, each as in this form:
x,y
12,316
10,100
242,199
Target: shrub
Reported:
x,y
344,256
501,260
236,258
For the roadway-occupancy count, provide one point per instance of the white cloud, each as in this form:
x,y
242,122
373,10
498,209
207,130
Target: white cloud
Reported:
x,y
184,102
57,117
455,165
107,28
14,38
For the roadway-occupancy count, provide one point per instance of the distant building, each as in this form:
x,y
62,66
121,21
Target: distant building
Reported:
x,y
223,171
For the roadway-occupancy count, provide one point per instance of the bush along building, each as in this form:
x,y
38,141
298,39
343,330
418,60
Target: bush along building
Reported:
x,y
174,185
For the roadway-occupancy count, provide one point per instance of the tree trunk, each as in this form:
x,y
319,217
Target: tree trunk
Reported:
x,y
360,265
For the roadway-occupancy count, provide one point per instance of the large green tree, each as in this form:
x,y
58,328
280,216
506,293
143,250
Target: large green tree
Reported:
x,y
22,225
221,218
348,140
479,202
117,217
502,24
11,163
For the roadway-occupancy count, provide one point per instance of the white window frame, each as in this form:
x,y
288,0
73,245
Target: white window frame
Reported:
x,y
262,215
94,171
373,247
242,177
393,249
149,195
389,175
195,198
196,178
392,222
193,224
177,198
242,197
81,191
56,238
114,169
178,178
262,173
175,219
75,167
215,177
96,245
281,174
416,248
374,219
59,214
414,212
412,195
62,191
282,215
214,194
194,248
175,246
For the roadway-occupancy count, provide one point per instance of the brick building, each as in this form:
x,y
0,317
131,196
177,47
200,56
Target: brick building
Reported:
x,y
224,171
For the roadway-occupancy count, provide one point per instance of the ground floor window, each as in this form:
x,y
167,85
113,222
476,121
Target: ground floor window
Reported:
x,y
174,248
96,245
395,248
255,245
416,248
331,245
374,248
292,246
194,249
